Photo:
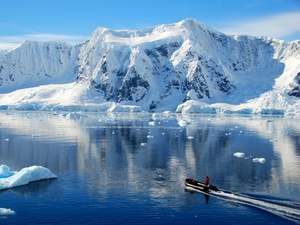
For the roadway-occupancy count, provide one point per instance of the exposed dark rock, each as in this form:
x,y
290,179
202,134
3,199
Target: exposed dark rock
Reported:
x,y
133,88
295,86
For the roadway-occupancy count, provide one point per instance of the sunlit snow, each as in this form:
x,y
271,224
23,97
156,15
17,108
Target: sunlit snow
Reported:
x,y
95,76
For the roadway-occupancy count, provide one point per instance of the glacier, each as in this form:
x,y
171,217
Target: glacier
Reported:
x,y
185,67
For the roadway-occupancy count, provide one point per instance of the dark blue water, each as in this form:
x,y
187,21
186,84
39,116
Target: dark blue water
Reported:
x,y
130,168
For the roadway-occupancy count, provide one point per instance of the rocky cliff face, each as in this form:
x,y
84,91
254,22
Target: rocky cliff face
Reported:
x,y
159,65
295,86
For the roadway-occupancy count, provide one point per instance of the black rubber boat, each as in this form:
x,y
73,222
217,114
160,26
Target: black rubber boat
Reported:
x,y
199,185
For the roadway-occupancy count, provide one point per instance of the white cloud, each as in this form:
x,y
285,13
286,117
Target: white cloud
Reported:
x,y
275,26
8,42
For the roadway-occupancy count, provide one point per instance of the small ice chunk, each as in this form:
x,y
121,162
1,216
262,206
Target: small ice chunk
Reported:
x,y
259,160
152,123
190,137
75,115
6,212
183,123
144,144
239,154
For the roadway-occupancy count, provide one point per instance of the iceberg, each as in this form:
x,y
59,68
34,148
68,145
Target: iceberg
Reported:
x,y
10,179
5,171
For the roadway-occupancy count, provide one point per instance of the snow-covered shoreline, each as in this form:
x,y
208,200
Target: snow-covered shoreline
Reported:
x,y
283,106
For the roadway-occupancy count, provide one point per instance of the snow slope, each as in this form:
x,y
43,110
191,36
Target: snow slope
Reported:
x,y
37,63
185,67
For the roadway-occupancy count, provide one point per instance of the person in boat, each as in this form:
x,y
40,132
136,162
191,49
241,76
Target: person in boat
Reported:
x,y
207,180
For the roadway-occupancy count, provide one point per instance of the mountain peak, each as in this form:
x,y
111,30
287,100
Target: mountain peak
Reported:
x,y
156,68
191,21
188,28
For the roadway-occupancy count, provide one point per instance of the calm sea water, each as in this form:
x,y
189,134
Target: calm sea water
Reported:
x,y
130,168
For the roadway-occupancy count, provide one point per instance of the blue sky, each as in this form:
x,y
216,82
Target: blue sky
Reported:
x,y
75,20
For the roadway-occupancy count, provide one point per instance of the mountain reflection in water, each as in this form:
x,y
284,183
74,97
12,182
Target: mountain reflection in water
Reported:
x,y
146,157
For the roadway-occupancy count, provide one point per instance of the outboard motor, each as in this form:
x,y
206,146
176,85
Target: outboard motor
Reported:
x,y
214,188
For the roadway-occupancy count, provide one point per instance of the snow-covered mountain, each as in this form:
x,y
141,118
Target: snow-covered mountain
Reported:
x,y
183,67
37,63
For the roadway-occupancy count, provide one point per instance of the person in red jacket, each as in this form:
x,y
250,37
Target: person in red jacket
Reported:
x,y
207,180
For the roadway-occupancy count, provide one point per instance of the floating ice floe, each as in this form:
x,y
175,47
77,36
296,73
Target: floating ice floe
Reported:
x,y
183,123
75,115
259,160
239,154
10,179
152,123
242,155
125,108
6,212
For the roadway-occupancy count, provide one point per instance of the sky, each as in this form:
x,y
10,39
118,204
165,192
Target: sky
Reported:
x,y
74,21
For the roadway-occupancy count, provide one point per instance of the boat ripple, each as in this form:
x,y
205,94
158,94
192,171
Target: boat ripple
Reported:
x,y
288,210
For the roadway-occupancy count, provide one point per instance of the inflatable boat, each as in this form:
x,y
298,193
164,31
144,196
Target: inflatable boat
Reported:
x,y
199,185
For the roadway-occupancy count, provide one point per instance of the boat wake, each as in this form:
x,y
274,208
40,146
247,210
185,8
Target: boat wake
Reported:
x,y
288,210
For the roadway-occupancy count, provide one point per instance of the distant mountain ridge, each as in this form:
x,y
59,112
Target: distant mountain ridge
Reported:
x,y
35,63
158,68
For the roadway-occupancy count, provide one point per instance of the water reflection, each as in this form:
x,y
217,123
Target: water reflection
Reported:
x,y
33,188
191,191
152,154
